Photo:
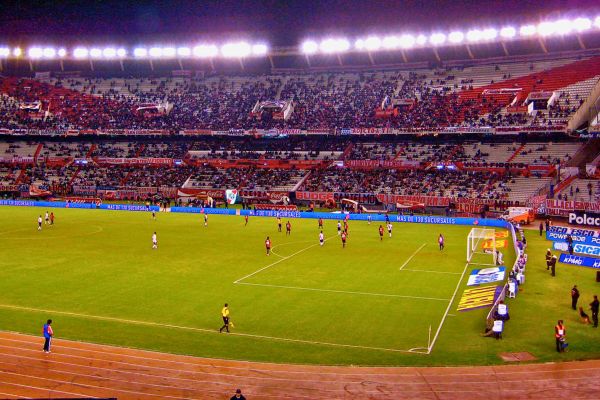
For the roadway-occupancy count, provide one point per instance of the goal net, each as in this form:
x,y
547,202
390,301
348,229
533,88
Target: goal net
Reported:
x,y
481,246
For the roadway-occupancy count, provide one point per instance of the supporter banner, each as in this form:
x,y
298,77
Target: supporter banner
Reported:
x,y
82,190
231,195
429,201
275,207
16,160
195,132
563,208
389,164
478,297
135,161
580,261
263,194
9,188
584,218
190,192
486,275
578,248
369,131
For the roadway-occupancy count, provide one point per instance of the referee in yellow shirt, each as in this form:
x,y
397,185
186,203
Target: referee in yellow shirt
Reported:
x,y
225,315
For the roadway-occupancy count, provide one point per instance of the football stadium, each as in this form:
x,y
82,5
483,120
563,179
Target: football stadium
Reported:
x,y
299,200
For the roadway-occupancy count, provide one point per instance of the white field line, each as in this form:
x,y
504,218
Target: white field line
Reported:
x,y
431,272
278,261
411,256
188,328
447,309
342,291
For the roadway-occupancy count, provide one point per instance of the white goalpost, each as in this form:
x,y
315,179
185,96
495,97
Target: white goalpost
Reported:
x,y
481,246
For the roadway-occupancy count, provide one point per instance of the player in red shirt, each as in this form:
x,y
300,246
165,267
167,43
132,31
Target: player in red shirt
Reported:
x,y
320,223
343,239
288,228
246,218
268,246
380,232
346,226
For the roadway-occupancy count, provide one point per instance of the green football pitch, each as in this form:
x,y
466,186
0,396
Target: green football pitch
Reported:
x,y
375,302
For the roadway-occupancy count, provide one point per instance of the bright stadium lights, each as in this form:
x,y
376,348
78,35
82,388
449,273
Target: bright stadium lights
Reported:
x,y
391,42
61,52
35,52
205,51
407,41
95,53
474,35
109,52
437,39
334,45
527,30
184,51
456,37
359,44
310,47
49,52
597,22
490,34
563,26
80,52
140,52
4,52
372,43
169,52
260,49
508,32
17,52
239,49
121,52
582,24
546,28
155,52
421,40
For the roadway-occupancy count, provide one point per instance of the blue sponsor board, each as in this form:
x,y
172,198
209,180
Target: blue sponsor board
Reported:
x,y
573,231
486,275
581,239
578,248
580,261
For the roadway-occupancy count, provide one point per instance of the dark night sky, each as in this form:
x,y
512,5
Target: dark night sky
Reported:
x,y
278,22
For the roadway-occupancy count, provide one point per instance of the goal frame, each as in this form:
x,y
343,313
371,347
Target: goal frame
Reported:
x,y
474,241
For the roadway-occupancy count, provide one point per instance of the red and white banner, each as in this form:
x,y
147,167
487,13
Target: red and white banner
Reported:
x,y
563,207
388,164
134,161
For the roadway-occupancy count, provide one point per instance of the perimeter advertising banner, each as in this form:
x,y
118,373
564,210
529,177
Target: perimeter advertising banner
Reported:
x,y
578,248
584,218
580,261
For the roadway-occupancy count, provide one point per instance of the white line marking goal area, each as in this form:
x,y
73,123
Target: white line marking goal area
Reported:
x,y
419,350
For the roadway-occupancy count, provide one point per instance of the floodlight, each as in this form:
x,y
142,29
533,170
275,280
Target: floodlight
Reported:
x,y
391,42
17,52
508,32
372,43
310,47
259,49
109,52
407,41
205,51
95,53
140,52
490,34
527,30
546,28
474,35
563,26
334,45
239,49
169,52
359,44
49,52
597,22
437,38
421,40
4,52
582,24
155,52
35,52
456,37
80,52
121,52
184,51
62,52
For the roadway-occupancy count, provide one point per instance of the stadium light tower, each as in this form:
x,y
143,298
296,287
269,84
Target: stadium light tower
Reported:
x,y
334,45
437,39
61,52
80,52
527,30
546,28
140,52
184,51
260,49
310,47
4,52
35,52
49,52
233,50
407,41
391,42
456,37
508,32
563,26
95,53
474,35
421,40
205,51
17,52
169,52
121,52
597,22
109,52
372,43
582,24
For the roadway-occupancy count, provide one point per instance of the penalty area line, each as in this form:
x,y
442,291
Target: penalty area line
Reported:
x,y
213,331
411,256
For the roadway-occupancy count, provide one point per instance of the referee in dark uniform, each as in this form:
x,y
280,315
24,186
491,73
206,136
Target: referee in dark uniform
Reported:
x,y
225,315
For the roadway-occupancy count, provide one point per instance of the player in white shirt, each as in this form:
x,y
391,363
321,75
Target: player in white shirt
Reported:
x,y
369,219
389,228
40,223
154,241
47,217
321,238
205,219
339,226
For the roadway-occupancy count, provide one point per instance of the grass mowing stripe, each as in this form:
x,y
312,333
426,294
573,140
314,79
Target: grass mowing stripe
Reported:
x,y
343,291
205,330
411,256
430,348
431,272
